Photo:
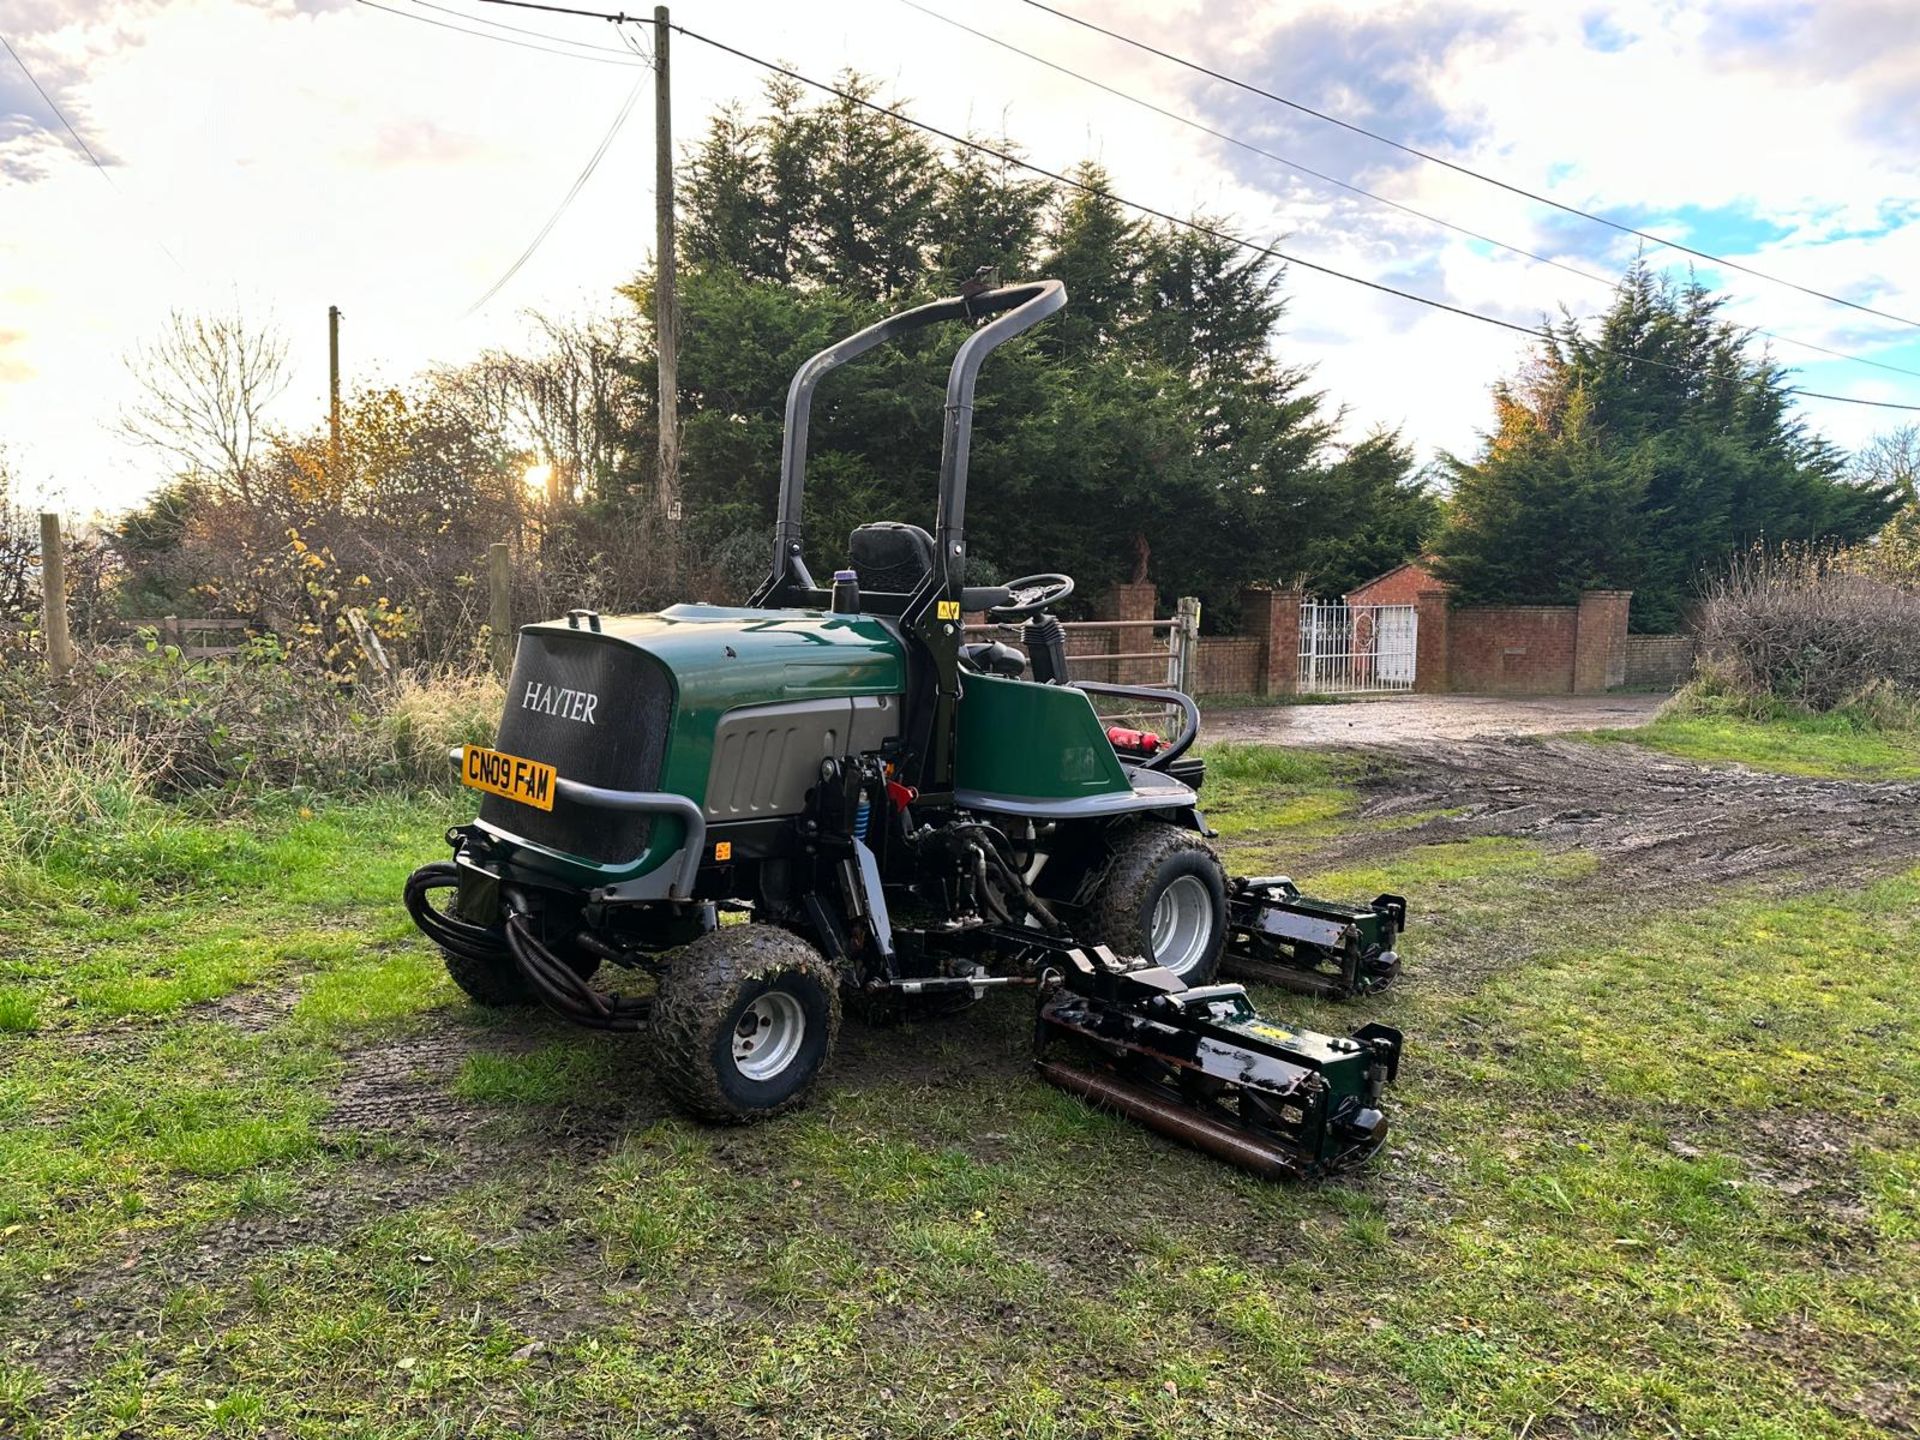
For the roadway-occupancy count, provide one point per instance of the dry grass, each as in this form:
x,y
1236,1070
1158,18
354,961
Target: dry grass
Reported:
x,y
427,716
103,751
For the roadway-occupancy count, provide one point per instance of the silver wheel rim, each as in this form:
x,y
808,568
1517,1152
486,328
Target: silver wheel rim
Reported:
x,y
1182,924
768,1035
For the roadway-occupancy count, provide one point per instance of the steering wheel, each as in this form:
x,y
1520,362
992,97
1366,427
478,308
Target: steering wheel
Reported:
x,y
1030,595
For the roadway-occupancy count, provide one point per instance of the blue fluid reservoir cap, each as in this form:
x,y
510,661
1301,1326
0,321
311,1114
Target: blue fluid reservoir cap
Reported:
x,y
840,575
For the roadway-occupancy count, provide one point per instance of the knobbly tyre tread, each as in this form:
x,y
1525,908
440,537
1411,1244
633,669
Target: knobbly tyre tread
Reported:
x,y
698,993
1118,917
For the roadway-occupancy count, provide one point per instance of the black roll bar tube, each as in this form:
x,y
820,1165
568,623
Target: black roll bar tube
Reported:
x,y
1029,303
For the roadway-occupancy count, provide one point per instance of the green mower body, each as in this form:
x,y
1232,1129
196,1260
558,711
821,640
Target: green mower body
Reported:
x,y
835,798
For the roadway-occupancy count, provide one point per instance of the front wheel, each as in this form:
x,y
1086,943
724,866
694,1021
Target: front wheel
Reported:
x,y
744,1020
1164,897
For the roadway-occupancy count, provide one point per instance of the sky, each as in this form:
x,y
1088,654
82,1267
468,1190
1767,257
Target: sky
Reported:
x,y
281,156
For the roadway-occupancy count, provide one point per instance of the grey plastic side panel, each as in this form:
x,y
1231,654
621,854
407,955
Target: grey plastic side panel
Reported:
x,y
766,757
876,720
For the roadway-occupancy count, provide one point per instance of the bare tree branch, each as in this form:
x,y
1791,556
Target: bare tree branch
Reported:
x,y
207,382
1891,459
575,404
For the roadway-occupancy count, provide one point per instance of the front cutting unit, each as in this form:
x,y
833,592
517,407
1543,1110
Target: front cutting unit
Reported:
x,y
724,826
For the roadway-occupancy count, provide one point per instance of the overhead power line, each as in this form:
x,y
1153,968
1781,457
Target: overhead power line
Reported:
x,y
579,184
1295,165
1458,168
622,59
85,149
522,30
58,114
1194,226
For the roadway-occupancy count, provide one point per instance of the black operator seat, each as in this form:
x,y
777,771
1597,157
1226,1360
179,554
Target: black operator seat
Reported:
x,y
891,557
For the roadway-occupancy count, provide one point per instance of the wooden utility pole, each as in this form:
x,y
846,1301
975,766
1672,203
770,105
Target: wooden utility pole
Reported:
x,y
333,388
53,592
500,605
666,327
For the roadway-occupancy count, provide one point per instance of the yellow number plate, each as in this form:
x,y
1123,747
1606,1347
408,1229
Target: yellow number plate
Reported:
x,y
527,781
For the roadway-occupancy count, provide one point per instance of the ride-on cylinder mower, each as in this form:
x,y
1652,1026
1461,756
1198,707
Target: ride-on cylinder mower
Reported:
x,y
752,816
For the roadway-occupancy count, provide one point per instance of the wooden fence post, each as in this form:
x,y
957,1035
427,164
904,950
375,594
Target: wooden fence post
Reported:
x,y
500,606
53,592
1184,652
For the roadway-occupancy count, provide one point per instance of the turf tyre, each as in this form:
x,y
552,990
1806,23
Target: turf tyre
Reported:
x,y
715,995
1154,862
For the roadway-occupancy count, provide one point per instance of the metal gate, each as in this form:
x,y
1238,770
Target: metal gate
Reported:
x,y
1357,649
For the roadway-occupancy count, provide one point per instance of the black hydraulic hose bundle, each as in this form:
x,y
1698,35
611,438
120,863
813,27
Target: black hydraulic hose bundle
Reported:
x,y
449,932
991,850
559,985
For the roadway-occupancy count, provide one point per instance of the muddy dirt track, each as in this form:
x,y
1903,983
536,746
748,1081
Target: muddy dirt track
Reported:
x,y
1418,720
1655,822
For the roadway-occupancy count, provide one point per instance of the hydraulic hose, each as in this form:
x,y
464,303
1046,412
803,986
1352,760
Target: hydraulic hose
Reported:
x,y
449,932
558,985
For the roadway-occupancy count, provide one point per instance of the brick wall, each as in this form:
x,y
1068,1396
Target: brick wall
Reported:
x,y
1270,617
1658,662
1230,665
1511,649
1090,642
1402,586
1130,602
1600,641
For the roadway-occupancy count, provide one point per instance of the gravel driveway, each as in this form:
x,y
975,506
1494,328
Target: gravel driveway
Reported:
x,y
1414,719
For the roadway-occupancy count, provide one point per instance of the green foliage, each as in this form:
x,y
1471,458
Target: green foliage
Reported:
x,y
1639,457
1544,516
1147,430
1372,511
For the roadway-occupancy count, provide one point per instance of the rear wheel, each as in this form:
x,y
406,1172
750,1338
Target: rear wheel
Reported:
x,y
1164,897
744,1020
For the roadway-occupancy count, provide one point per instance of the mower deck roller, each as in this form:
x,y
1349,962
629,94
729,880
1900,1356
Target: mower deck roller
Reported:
x,y
1199,1065
826,800
1318,947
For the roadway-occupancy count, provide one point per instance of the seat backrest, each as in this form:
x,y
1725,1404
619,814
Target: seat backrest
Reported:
x,y
891,556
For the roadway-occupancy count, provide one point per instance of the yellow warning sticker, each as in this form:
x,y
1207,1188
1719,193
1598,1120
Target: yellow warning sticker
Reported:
x,y
723,850
949,610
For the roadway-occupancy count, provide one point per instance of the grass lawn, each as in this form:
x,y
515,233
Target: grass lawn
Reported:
x,y
263,1172
1835,747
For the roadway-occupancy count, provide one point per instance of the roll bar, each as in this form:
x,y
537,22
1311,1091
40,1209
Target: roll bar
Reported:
x,y
1019,307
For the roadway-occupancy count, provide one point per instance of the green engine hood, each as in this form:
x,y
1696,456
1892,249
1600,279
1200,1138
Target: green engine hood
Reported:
x,y
722,656
718,659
